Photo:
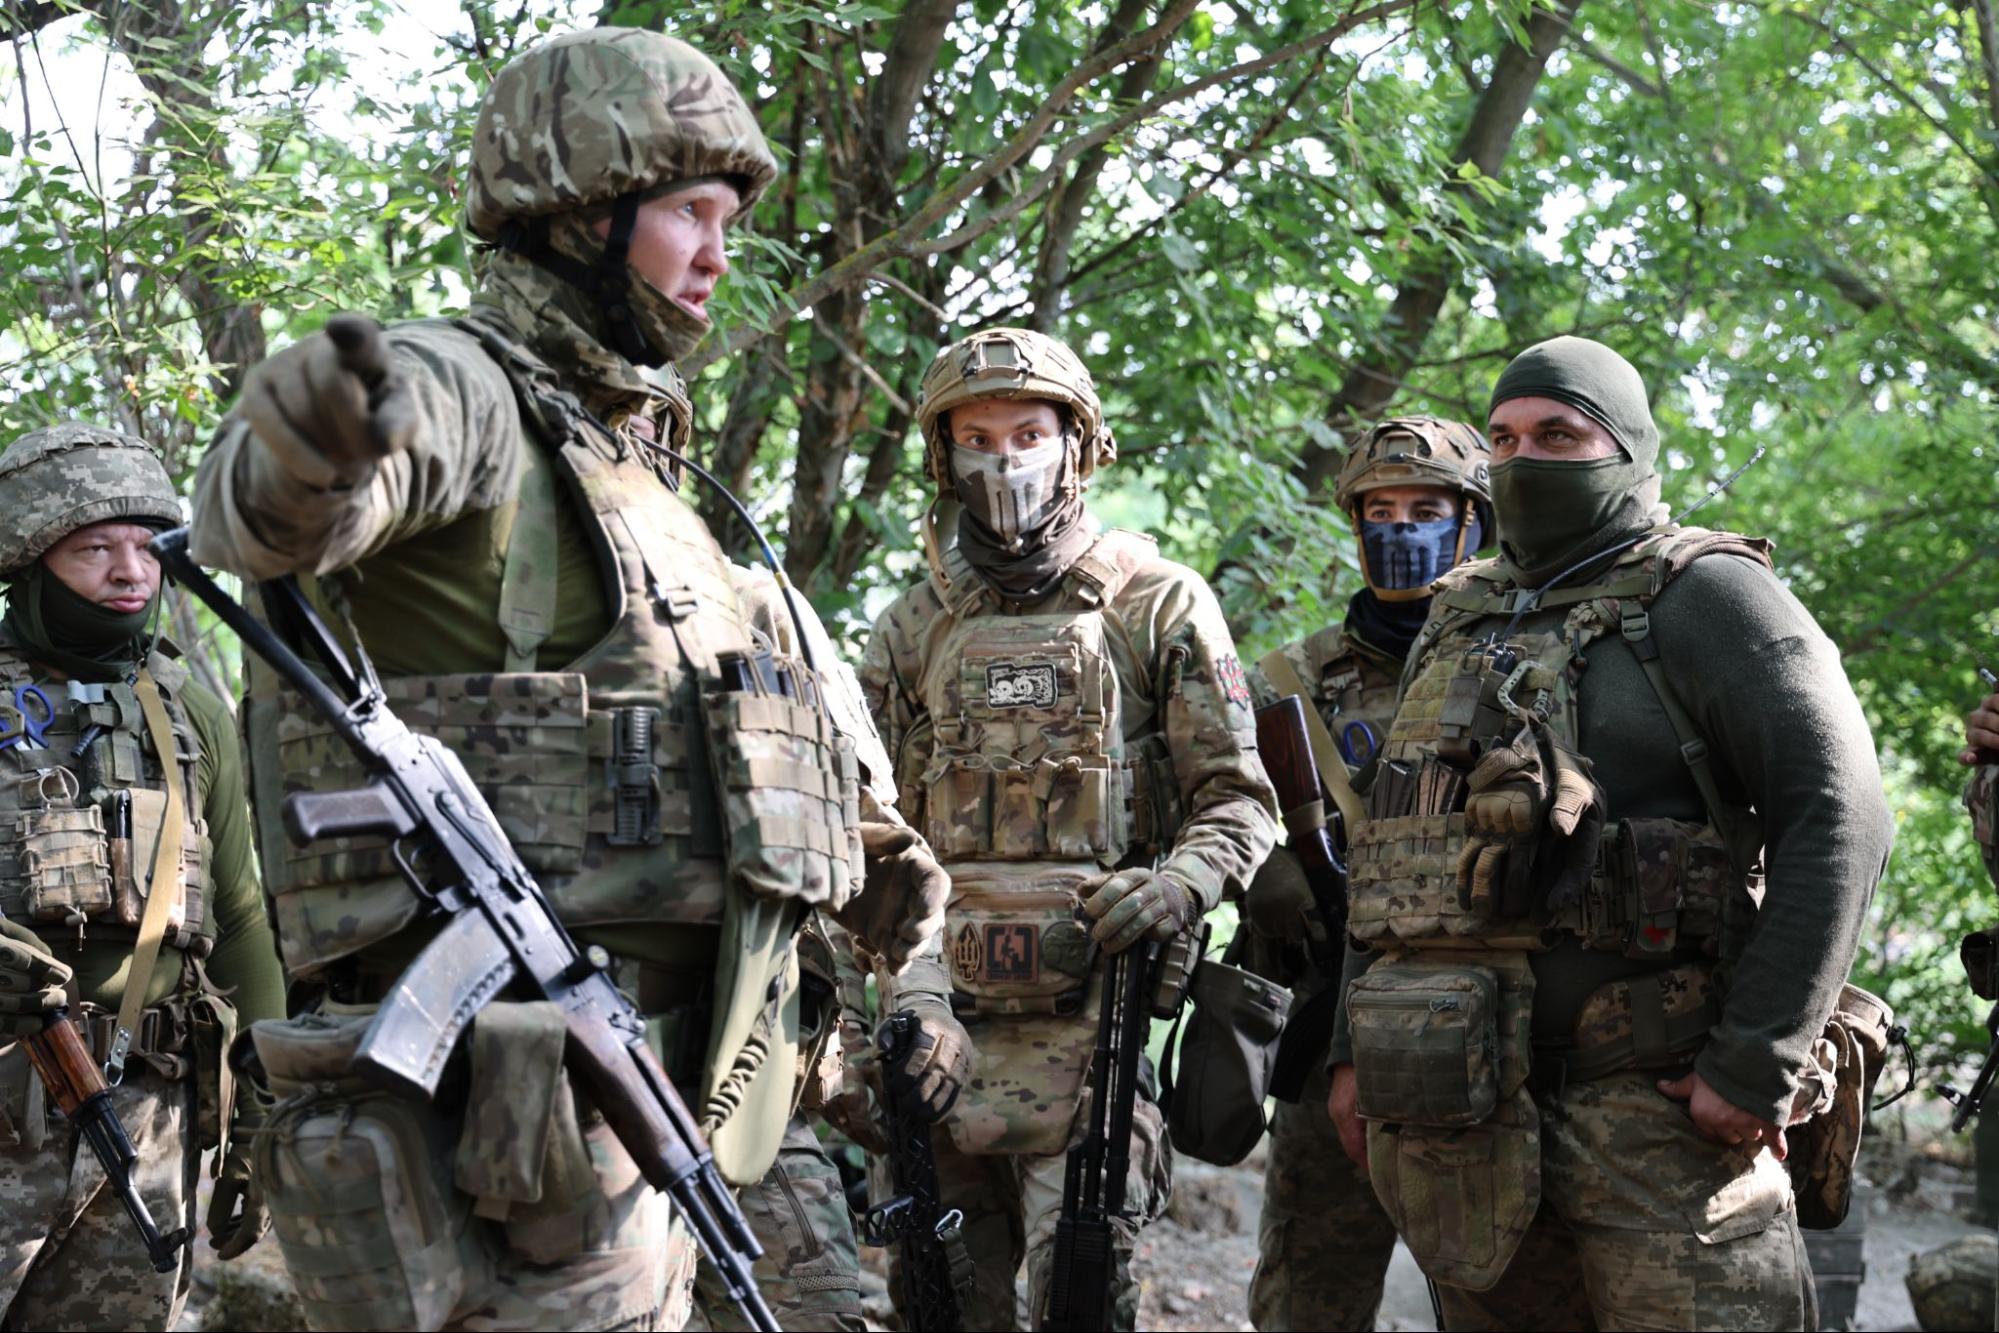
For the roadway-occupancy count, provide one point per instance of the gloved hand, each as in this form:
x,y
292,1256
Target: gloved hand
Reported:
x,y
335,394
927,1080
1135,904
851,1110
901,902
31,980
1520,796
238,1217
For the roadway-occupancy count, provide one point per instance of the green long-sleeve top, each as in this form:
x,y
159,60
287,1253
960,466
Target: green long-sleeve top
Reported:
x,y
245,961
1765,687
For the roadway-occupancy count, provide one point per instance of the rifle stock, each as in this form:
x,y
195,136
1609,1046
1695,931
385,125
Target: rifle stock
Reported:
x,y
80,1093
500,931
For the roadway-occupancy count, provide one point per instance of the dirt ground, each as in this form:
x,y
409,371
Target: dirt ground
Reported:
x,y
1195,1264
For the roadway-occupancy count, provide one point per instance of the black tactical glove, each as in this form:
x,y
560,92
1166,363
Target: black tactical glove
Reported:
x,y
31,980
927,1081
901,902
238,1217
336,394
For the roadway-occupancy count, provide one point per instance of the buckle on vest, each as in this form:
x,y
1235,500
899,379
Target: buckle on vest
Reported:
x,y
634,779
1636,623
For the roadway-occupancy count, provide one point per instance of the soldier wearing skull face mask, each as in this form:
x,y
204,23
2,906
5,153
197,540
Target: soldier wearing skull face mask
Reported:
x,y
1072,734
1418,492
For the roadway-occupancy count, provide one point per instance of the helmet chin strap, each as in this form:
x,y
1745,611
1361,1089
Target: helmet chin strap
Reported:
x,y
608,283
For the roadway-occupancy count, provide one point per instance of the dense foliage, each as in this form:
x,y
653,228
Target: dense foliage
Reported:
x,y
1263,222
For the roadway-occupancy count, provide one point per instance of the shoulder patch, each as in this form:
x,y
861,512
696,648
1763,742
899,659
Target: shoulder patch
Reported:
x,y
1235,685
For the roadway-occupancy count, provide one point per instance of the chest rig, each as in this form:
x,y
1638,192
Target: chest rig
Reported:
x,y
1032,756
604,774
1660,885
79,830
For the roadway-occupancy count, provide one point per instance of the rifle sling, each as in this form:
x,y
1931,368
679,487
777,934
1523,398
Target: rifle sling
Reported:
x,y
1277,669
163,886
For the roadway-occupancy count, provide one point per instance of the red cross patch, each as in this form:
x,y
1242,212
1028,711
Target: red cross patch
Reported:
x,y
1235,685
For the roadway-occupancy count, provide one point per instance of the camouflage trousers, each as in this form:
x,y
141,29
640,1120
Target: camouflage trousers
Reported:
x,y
1323,1243
810,1273
1646,1224
69,1257
1011,1204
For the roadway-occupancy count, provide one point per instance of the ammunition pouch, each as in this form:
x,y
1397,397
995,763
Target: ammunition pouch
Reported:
x,y
1017,939
1848,1058
1660,885
789,785
1463,1188
1156,808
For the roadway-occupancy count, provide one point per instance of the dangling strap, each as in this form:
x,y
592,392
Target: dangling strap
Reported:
x,y
1278,670
527,580
163,888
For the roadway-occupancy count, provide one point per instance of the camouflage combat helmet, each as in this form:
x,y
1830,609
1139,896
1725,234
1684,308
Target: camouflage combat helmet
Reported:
x,y
1419,451
61,478
1010,363
1953,1285
591,126
584,119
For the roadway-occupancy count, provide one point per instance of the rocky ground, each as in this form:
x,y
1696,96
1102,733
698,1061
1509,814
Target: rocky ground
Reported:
x,y
1195,1263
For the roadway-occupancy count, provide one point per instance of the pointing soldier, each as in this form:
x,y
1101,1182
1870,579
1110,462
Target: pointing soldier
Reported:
x,y
108,749
1072,733
503,481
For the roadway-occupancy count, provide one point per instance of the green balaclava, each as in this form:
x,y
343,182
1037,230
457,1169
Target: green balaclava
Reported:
x,y
1552,514
56,626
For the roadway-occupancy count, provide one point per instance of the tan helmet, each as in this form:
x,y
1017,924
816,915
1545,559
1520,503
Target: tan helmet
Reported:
x,y
1010,363
584,119
1419,451
61,478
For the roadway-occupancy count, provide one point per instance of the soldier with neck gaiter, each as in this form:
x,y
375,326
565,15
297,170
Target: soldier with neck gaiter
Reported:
x,y
1622,835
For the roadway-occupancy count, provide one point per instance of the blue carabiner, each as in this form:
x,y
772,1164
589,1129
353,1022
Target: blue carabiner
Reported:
x,y
1359,753
34,721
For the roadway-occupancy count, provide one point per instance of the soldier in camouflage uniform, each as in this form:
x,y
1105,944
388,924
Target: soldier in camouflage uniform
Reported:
x,y
84,922
1071,731
1981,798
1418,492
1620,842
504,481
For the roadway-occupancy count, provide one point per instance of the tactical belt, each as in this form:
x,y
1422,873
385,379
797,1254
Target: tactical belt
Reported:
x,y
1654,1020
161,1034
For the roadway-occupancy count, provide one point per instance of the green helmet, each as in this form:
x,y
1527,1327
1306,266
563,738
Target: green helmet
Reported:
x,y
1010,363
583,119
61,478
1953,1286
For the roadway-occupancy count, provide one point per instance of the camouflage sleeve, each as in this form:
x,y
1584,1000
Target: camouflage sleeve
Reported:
x,y
1982,800
260,512
245,961
1210,730
889,691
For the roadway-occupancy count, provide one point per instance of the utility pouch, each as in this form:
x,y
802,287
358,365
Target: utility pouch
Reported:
x,y
1462,1197
521,1155
1426,1042
65,862
1018,943
359,1185
141,822
789,785
1229,1046
1660,884
1848,1058
213,1020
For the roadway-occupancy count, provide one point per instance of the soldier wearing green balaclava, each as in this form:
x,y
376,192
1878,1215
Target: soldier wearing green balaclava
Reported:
x,y
108,748
1623,830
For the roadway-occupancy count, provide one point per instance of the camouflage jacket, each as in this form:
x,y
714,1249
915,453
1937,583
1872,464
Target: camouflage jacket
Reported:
x,y
1982,799
1178,678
